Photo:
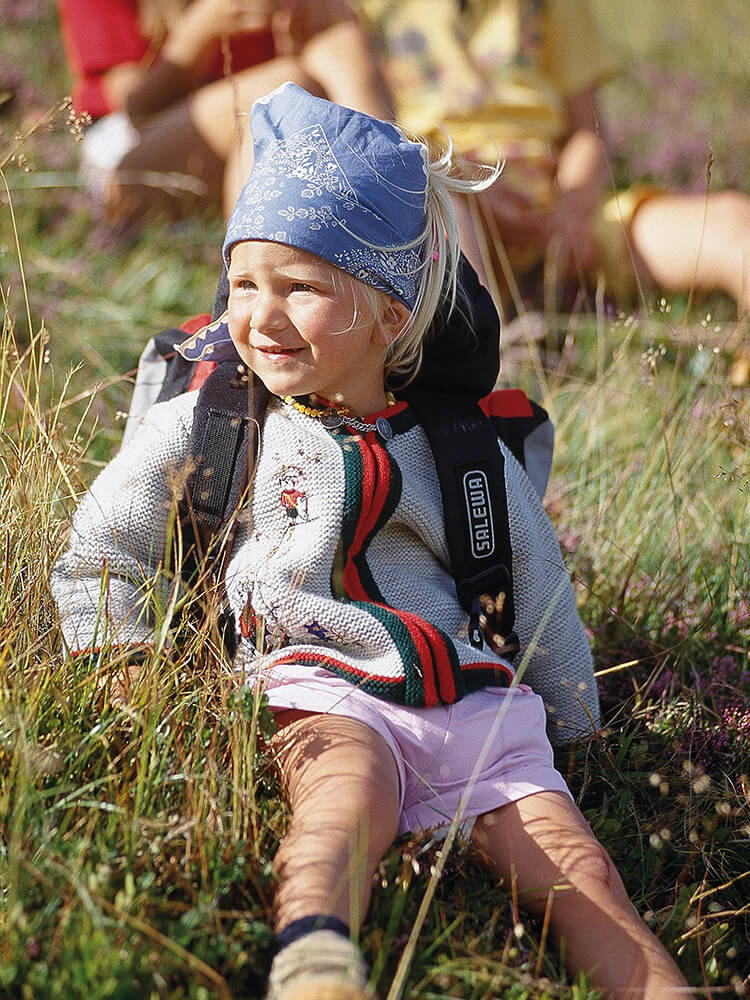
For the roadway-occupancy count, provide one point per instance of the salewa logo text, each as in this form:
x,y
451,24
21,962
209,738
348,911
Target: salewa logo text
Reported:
x,y
481,531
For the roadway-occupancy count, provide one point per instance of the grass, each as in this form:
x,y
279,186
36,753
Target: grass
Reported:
x,y
136,844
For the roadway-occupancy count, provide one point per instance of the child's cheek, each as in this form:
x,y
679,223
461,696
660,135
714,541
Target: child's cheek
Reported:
x,y
238,322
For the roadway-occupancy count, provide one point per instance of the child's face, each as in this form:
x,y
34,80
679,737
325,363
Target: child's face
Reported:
x,y
295,321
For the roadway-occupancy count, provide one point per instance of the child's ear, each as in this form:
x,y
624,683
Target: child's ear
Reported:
x,y
393,320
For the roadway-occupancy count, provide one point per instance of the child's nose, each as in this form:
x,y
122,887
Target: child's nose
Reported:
x,y
268,312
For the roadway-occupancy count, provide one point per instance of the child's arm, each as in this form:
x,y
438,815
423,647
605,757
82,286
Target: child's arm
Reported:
x,y
108,584
555,658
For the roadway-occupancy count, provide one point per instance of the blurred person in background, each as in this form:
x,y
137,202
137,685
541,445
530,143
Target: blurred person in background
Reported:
x,y
168,85
517,79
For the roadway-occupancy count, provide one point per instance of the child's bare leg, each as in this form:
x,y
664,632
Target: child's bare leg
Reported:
x,y
688,240
544,844
342,786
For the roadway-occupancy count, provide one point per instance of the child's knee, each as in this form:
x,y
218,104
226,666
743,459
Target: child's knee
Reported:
x,y
588,873
593,868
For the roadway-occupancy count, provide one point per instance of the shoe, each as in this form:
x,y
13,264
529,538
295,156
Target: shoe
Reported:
x,y
328,990
322,965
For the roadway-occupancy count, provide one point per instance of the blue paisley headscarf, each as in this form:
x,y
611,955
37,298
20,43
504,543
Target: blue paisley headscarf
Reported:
x,y
338,183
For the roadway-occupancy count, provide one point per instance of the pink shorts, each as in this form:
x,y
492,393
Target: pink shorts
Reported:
x,y
483,752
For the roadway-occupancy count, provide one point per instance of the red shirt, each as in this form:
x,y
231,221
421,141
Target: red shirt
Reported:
x,y
101,34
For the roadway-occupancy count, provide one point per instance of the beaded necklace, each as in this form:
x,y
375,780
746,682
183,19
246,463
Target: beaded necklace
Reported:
x,y
334,416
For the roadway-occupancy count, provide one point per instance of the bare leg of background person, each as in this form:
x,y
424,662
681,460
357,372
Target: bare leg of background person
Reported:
x,y
181,162
690,240
221,112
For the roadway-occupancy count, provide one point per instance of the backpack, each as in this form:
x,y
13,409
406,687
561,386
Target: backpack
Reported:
x,y
455,402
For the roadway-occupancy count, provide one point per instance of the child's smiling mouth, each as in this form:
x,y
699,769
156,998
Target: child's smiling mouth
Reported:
x,y
273,352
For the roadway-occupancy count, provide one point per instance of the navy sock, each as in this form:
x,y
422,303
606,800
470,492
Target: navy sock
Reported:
x,y
315,922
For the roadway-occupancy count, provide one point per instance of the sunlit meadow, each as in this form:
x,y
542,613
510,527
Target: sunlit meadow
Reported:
x,y
136,843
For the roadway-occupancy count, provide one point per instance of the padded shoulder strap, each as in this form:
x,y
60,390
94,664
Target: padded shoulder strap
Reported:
x,y
222,447
471,470
223,444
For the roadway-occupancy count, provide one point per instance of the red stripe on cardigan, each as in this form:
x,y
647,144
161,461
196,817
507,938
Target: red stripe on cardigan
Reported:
x,y
415,627
442,685
376,480
437,671
324,658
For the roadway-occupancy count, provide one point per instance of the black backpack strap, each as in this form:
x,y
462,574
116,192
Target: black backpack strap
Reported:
x,y
471,471
222,449
223,444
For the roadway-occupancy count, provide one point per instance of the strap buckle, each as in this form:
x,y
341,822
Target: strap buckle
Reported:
x,y
493,581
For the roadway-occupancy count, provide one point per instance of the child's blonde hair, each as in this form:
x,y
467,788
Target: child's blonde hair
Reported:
x,y
441,249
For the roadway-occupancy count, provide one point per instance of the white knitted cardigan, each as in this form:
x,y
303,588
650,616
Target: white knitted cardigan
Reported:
x,y
339,561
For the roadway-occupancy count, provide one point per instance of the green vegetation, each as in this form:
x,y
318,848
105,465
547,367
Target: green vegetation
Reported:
x,y
136,844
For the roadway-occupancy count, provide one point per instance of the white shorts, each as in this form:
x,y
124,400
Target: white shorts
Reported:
x,y
478,754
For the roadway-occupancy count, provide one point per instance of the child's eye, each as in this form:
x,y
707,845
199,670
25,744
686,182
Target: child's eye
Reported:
x,y
302,286
238,284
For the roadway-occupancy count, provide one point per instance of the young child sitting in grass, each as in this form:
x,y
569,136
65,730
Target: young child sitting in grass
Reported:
x,y
340,250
